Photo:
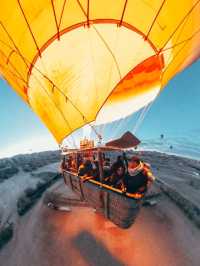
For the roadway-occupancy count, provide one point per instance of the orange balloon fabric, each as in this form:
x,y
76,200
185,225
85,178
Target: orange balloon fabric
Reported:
x,y
78,61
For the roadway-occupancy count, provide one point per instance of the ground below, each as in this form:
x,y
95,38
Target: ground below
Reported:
x,y
161,236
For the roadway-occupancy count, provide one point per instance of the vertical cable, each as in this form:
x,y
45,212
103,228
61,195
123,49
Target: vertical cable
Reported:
x,y
123,12
62,12
152,24
55,18
180,23
88,12
29,27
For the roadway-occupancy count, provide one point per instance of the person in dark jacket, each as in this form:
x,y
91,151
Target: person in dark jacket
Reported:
x,y
106,168
116,179
118,163
138,177
66,164
85,169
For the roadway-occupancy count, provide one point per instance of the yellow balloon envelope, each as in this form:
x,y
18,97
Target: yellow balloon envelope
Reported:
x,y
77,61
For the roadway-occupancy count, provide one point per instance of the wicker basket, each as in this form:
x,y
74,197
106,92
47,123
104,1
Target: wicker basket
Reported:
x,y
112,203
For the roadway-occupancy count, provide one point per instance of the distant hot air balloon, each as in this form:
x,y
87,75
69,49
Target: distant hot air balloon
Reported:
x,y
78,61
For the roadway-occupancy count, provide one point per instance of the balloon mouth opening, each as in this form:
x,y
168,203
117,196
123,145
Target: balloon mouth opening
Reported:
x,y
84,24
136,90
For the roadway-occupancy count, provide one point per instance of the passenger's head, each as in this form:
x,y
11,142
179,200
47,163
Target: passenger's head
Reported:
x,y
124,155
134,162
85,159
119,158
120,171
87,163
80,159
107,162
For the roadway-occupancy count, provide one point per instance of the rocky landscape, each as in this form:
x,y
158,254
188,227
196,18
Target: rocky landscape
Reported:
x,y
181,173
26,163
24,178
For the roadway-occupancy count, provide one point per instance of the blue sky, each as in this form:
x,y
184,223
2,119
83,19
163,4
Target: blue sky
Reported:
x,y
175,112
21,130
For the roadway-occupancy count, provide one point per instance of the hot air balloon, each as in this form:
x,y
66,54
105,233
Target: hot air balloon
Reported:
x,y
79,61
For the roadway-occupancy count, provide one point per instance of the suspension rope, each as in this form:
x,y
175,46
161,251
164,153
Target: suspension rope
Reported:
x,y
81,7
181,42
8,62
108,48
126,120
174,56
154,20
102,130
59,110
13,42
71,142
88,12
180,23
112,126
94,76
29,27
147,107
103,40
119,126
13,77
110,51
173,60
111,69
9,56
68,99
142,117
181,30
93,62
55,18
12,73
123,12
139,118
62,12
